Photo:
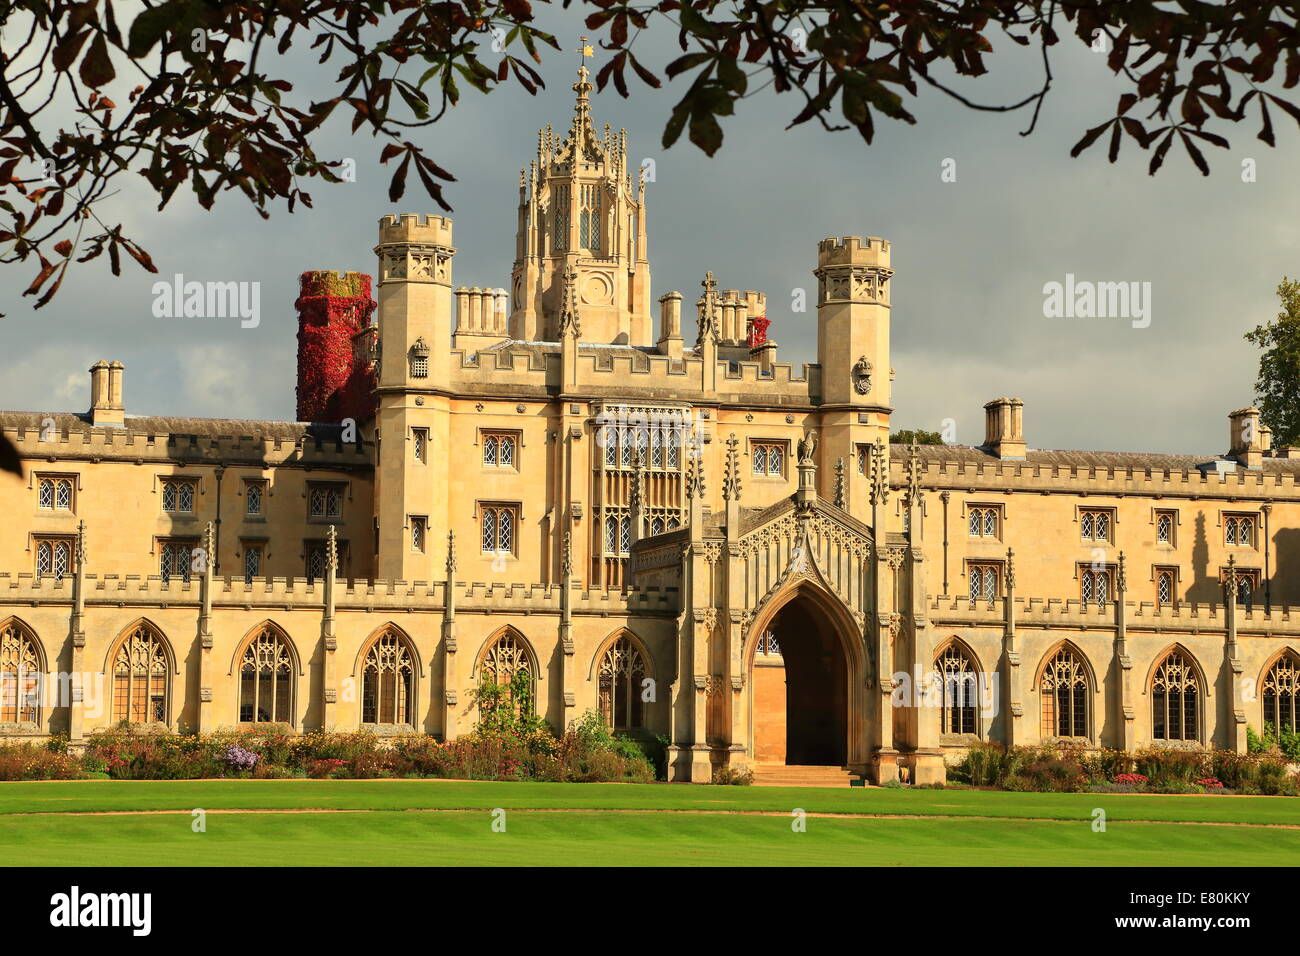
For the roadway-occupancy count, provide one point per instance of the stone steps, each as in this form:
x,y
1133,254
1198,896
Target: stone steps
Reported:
x,y
790,775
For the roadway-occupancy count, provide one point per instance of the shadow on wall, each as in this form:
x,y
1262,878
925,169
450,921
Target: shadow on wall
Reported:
x,y
1285,569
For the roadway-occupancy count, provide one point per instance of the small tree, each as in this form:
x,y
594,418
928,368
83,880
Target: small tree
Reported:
x,y
1277,389
907,436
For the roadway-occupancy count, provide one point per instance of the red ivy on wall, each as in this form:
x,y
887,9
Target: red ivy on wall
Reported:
x,y
336,377
758,330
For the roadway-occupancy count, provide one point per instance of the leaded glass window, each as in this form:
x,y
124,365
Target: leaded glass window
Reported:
x,y
1164,587
54,558
417,534
140,678
326,501
622,670
266,679
1281,694
769,459
20,676
1165,527
317,562
507,664
1239,530
178,496
960,690
252,562
388,682
54,494
1094,586
254,494
1094,525
174,560
419,444
983,522
618,534
1175,699
983,582
498,525
1064,688
498,450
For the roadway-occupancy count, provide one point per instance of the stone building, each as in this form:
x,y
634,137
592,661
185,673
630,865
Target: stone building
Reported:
x,y
664,524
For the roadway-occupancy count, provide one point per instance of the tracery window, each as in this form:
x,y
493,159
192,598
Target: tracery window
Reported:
x,y
266,680
141,689
589,217
178,495
1282,694
498,529
254,497
252,562
1166,586
326,501
1064,689
769,459
417,532
20,676
54,557
1239,531
960,689
54,494
983,522
1094,586
507,664
175,559
768,644
1095,524
420,444
499,449
622,669
1175,699
1165,521
618,534
388,681
984,581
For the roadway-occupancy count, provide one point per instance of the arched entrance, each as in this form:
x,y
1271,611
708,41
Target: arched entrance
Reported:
x,y
799,675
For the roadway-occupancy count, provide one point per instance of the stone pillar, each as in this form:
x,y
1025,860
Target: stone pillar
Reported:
x,y
1234,705
1123,712
207,719
1012,703
77,640
449,695
569,679
329,642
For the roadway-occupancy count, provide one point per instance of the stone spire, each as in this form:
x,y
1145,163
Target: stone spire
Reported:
x,y
731,484
707,323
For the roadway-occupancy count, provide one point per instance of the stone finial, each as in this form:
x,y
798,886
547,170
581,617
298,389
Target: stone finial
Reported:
x,y
695,478
566,556
915,494
331,550
81,544
451,552
707,325
1011,570
1121,579
569,323
634,492
839,482
731,483
879,473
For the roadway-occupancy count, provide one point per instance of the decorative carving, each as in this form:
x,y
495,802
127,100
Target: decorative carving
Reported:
x,y
731,485
807,448
569,324
695,478
451,553
862,376
707,324
839,482
879,473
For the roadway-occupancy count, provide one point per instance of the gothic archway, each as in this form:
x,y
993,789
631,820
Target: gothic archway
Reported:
x,y
806,680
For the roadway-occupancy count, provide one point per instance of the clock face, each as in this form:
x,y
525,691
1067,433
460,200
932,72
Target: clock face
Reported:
x,y
597,289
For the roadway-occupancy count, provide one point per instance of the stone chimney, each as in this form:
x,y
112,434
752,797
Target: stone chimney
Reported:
x,y
1246,442
1004,435
106,394
670,325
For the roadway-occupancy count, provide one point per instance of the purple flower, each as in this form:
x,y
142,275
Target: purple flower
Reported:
x,y
240,758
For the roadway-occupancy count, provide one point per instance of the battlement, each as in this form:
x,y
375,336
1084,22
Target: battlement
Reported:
x,y
631,373
300,594
853,250
1096,474
948,609
166,441
409,227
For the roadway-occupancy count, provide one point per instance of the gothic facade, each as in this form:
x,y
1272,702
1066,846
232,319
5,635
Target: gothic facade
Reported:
x,y
557,485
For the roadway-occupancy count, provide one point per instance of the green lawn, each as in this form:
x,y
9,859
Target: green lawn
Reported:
x,y
965,827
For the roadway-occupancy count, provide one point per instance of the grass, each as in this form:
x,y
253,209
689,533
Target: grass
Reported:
x,y
54,824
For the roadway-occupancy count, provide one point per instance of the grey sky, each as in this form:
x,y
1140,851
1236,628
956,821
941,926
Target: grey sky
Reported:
x,y
971,257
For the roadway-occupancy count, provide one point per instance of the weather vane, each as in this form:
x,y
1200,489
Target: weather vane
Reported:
x,y
586,50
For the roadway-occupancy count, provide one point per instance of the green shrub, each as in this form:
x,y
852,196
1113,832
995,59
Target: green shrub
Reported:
x,y
37,762
729,776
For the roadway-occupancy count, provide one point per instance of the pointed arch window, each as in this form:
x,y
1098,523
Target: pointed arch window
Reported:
x,y
388,682
1281,690
622,670
141,689
960,690
589,218
1064,689
1175,699
266,680
20,676
507,663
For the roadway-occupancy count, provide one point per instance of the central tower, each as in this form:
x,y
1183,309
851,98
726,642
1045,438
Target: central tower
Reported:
x,y
581,211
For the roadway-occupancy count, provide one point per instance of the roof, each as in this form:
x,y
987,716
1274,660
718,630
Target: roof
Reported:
x,y
167,425
1121,460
